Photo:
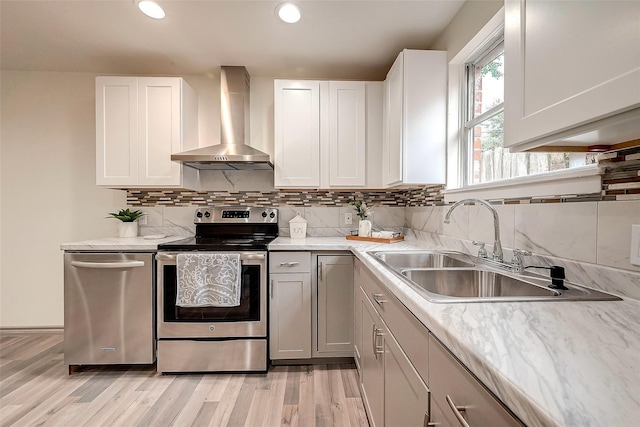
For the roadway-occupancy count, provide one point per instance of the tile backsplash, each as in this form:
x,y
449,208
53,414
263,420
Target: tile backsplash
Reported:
x,y
585,228
327,221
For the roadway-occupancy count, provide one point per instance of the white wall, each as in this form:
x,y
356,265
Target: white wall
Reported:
x,y
471,17
48,189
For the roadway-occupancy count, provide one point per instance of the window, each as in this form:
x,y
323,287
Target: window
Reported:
x,y
483,157
483,126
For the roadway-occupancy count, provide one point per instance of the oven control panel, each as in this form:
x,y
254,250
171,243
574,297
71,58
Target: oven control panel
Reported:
x,y
236,214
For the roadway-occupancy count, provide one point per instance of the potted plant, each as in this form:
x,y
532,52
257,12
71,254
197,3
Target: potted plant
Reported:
x,y
128,226
363,211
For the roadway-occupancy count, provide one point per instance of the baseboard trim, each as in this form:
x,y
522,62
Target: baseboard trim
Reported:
x,y
31,330
313,361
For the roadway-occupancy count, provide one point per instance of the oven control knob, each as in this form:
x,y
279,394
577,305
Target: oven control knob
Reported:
x,y
212,328
272,215
264,214
199,214
207,214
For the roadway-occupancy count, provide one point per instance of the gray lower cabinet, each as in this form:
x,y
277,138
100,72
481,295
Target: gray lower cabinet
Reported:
x,y
393,391
371,360
407,377
459,396
334,306
406,396
289,305
311,305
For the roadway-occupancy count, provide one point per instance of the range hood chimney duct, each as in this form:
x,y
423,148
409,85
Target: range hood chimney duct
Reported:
x,y
232,153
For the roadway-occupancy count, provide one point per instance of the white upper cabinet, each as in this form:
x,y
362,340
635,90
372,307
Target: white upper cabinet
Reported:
x,y
140,122
347,139
572,73
297,133
327,134
414,136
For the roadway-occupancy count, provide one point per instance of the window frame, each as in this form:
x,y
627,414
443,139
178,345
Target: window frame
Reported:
x,y
481,57
579,180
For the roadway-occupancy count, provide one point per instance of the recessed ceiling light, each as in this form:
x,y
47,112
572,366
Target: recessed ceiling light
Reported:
x,y
289,13
151,9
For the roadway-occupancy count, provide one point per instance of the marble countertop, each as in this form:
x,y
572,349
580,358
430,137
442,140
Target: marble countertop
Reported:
x,y
139,243
556,363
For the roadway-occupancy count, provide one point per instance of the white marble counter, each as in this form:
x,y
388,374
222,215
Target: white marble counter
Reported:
x,y
139,243
552,363
310,244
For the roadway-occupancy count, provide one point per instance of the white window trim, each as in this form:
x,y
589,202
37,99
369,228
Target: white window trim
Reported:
x,y
580,180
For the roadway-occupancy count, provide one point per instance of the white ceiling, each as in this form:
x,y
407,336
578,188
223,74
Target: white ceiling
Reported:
x,y
335,39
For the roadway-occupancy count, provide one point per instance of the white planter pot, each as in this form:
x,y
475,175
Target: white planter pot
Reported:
x,y
128,229
364,228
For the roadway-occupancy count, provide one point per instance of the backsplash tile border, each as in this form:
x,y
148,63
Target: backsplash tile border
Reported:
x,y
620,173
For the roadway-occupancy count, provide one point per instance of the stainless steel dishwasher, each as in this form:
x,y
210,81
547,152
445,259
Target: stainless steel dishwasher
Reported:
x,y
108,308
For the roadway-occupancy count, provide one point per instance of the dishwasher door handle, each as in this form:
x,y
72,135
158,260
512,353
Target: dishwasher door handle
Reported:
x,y
117,264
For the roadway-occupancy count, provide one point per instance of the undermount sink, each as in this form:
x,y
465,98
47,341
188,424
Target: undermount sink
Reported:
x,y
401,260
451,277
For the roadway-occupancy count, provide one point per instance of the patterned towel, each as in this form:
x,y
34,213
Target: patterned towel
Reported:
x,y
208,280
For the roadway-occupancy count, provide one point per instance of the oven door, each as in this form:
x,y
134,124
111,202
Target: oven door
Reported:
x,y
249,319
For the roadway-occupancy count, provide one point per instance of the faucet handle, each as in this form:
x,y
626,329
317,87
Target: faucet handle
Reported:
x,y
516,261
482,252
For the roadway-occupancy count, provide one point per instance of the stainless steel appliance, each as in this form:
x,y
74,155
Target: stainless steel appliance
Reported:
x,y
108,308
203,339
232,153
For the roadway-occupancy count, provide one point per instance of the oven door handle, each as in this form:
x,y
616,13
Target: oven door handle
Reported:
x,y
243,256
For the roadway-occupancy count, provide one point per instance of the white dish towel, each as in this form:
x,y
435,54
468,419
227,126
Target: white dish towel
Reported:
x,y
208,279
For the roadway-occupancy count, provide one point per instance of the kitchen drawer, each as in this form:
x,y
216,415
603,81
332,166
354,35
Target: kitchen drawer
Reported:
x,y
208,356
289,262
412,335
449,378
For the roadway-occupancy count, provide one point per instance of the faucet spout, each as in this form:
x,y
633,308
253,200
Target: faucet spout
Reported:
x,y
497,246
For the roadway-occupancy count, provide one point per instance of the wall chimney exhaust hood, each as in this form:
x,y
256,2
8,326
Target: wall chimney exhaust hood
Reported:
x,y
232,153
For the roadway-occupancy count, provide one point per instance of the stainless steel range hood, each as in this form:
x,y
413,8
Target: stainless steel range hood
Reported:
x,y
232,153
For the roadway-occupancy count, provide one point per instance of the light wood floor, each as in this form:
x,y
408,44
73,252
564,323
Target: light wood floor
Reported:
x,y
36,390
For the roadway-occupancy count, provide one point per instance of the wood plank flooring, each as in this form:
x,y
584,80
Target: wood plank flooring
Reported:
x,y
36,390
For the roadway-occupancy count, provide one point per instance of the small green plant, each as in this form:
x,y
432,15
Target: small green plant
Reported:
x,y
362,210
126,215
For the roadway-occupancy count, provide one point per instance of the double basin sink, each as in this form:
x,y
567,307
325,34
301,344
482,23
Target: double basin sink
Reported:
x,y
448,277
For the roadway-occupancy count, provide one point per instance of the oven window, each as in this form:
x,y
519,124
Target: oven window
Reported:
x,y
248,310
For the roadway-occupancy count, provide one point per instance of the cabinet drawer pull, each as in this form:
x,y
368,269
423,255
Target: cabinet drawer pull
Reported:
x,y
378,298
289,264
426,422
374,339
457,412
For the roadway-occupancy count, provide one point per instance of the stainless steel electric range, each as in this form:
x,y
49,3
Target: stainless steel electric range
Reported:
x,y
217,339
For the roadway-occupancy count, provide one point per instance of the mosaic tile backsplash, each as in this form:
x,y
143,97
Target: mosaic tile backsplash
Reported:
x,y
620,181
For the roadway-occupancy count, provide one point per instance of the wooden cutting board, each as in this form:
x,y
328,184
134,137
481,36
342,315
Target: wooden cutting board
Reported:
x,y
377,239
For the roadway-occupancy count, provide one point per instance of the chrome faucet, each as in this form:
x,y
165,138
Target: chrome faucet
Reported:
x,y
497,246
